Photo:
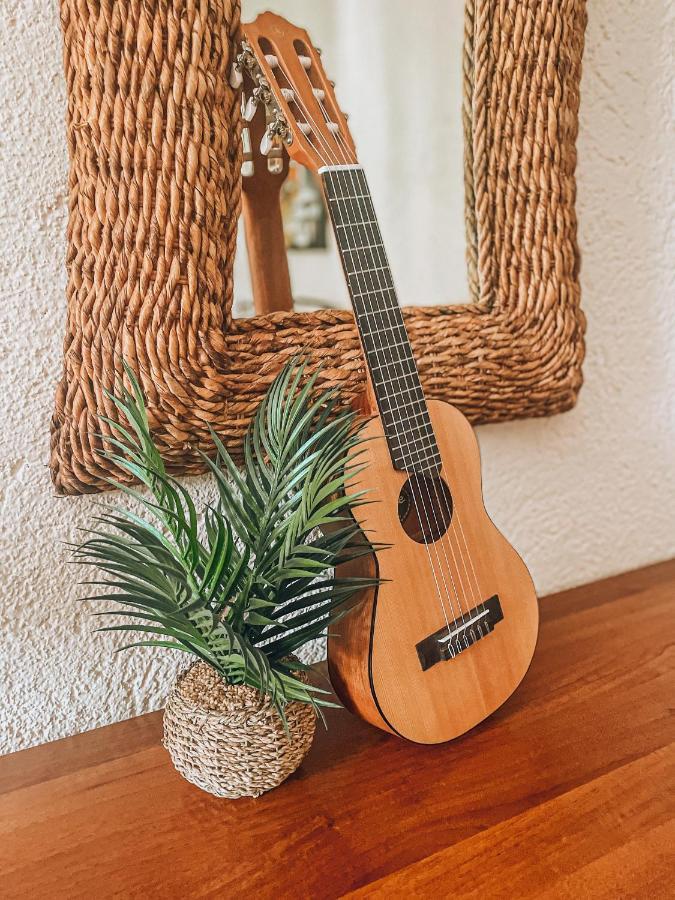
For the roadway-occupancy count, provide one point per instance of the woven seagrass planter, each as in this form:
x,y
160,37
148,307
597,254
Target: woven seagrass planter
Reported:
x,y
229,741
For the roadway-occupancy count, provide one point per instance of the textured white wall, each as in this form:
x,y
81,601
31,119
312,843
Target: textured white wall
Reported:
x,y
583,495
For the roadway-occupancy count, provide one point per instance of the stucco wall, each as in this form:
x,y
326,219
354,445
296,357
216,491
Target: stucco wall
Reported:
x,y
583,495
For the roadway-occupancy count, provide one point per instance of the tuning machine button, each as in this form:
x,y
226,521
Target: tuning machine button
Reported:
x,y
271,146
247,165
268,142
250,108
236,77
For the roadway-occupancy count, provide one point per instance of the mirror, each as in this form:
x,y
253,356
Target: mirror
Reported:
x,y
398,73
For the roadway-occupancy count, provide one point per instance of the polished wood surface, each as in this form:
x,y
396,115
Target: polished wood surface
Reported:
x,y
567,791
376,669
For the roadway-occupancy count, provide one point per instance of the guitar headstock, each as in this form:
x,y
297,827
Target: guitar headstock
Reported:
x,y
281,71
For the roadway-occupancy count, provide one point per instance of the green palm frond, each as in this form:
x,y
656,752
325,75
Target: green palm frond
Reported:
x,y
246,582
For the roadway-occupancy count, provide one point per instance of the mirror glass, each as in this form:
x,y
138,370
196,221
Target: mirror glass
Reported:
x,y
398,72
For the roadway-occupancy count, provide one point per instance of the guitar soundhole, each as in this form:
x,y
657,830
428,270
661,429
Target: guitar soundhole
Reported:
x,y
425,508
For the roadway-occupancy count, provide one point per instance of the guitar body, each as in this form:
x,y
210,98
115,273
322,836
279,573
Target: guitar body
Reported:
x,y
373,662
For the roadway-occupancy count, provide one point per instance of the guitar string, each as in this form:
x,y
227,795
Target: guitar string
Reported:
x,y
423,480
345,160
424,520
439,494
443,539
452,513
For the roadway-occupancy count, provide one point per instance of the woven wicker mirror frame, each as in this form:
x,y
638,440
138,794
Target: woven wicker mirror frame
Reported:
x,y
153,137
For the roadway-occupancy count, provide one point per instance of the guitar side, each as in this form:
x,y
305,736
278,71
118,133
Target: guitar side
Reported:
x,y
373,660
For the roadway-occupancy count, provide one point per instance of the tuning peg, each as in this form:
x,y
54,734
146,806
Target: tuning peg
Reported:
x,y
247,167
305,62
250,108
236,78
305,128
288,95
267,142
319,94
271,147
272,61
333,127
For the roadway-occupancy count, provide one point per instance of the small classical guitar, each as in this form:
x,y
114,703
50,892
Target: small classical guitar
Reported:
x,y
451,630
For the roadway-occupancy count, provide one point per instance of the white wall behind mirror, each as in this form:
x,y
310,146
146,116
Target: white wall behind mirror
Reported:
x,y
398,73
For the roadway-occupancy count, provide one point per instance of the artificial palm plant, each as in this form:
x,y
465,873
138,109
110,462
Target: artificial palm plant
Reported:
x,y
248,581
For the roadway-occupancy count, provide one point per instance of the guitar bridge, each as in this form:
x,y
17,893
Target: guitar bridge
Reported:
x,y
458,636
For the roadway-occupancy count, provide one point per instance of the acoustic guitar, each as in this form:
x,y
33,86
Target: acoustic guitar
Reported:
x,y
450,632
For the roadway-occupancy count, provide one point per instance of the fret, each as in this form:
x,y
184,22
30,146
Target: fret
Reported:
x,y
375,331
366,235
349,216
380,318
377,366
408,390
361,282
369,283
395,378
419,459
386,347
380,296
347,252
360,222
377,292
418,424
413,418
383,353
349,197
405,454
429,439
384,269
402,407
432,469
411,450
382,275
427,435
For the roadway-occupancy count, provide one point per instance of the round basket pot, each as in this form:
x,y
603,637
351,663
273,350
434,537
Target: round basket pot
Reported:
x,y
230,741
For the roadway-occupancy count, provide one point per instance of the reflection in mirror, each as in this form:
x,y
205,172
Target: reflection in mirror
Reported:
x,y
398,73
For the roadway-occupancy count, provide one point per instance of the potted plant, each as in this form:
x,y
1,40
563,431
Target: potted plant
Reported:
x,y
240,586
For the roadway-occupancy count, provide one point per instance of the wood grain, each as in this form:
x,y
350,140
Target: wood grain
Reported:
x,y
565,792
606,858
425,588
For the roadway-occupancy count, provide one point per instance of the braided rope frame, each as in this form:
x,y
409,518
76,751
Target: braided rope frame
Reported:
x,y
153,137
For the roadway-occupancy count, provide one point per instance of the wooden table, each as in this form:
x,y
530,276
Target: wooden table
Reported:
x,y
567,791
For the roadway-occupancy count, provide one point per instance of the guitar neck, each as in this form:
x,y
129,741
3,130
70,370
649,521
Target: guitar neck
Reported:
x,y
393,370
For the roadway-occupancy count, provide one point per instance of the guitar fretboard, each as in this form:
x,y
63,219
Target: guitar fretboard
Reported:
x,y
393,371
